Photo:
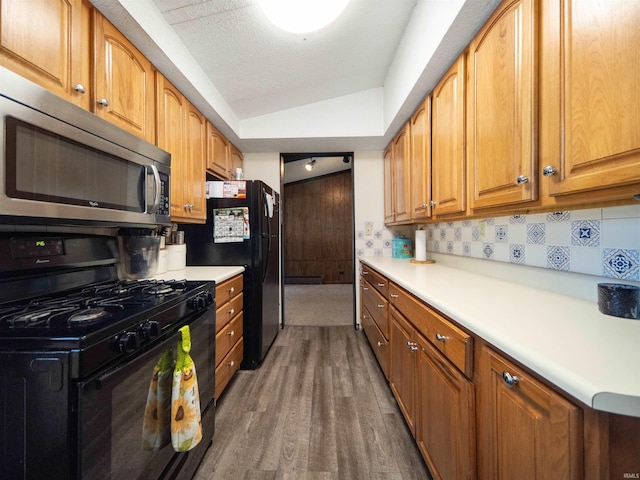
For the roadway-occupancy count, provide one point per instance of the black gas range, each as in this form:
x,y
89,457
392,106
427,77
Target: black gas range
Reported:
x,y
78,348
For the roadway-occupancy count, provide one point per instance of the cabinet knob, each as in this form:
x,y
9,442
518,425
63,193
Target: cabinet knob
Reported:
x,y
548,171
380,305
380,344
510,380
232,311
80,89
104,102
412,346
364,272
424,205
232,363
393,295
366,289
232,289
440,338
522,179
433,203
231,333
381,285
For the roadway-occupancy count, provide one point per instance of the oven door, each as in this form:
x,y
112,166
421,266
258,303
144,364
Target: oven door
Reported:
x,y
116,440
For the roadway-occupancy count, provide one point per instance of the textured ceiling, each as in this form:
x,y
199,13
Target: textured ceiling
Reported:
x,y
348,87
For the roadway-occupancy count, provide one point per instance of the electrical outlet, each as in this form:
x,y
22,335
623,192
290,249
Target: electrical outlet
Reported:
x,y
368,229
482,228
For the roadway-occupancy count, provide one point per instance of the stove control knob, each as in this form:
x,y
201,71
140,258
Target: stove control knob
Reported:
x,y
150,329
208,298
128,342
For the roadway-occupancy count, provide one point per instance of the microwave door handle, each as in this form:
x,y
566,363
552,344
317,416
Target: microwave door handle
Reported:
x,y
157,184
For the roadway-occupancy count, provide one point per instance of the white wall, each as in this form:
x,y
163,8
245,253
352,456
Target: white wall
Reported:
x,y
263,166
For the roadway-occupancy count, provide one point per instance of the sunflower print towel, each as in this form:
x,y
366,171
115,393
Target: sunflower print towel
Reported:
x,y
186,420
156,427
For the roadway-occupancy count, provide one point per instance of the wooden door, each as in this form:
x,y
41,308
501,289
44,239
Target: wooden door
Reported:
x,y
445,430
171,137
47,42
526,430
402,174
421,161
195,158
591,59
503,107
402,372
236,159
217,153
448,141
389,186
124,82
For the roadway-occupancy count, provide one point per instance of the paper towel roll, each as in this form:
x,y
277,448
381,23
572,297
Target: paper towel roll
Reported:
x,y
421,245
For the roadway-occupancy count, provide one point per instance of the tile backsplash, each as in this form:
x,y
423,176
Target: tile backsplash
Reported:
x,y
600,241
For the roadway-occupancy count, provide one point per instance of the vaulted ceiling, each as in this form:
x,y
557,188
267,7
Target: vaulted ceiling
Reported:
x,y
348,87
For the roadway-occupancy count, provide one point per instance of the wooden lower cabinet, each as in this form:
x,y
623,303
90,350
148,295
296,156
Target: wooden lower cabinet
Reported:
x,y
445,411
229,331
402,373
525,429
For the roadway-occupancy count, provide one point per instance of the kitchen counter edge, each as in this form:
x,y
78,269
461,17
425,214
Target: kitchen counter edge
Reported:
x,y
209,273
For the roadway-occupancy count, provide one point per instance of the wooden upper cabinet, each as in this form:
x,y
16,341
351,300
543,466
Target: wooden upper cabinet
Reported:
x,y
590,57
526,430
389,214
236,160
47,41
402,174
182,132
217,153
421,161
124,82
502,115
448,181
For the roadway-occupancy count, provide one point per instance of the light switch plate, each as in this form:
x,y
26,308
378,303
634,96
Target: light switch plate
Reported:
x,y
368,229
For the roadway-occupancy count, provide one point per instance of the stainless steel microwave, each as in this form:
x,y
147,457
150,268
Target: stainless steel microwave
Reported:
x,y
62,164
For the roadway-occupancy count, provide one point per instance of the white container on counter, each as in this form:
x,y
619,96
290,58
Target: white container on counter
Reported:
x,y
176,256
163,260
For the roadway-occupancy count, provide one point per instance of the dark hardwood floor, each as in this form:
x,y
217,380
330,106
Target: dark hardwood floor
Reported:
x,y
318,408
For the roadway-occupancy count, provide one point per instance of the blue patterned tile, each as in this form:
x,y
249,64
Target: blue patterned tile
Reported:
x,y
378,252
490,221
449,247
449,224
517,219
502,234
475,233
443,234
377,234
466,223
369,243
487,250
517,254
387,244
585,233
359,235
558,216
457,234
360,252
535,233
466,249
558,257
436,246
619,263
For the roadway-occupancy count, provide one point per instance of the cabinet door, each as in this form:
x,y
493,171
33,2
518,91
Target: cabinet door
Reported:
x,y
195,158
526,430
402,175
46,41
590,56
124,82
503,107
389,187
402,372
217,153
236,159
421,161
445,429
448,142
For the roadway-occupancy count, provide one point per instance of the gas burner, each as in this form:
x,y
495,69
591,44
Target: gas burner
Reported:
x,y
37,318
160,289
87,316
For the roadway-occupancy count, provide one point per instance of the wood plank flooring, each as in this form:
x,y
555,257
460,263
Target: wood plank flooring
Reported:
x,y
318,408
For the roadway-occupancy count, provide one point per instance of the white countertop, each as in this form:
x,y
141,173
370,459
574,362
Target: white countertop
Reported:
x,y
592,356
215,273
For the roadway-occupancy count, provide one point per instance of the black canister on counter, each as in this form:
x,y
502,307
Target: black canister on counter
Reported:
x,y
619,300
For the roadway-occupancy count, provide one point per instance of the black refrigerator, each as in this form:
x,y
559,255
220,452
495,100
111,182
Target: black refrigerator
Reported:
x,y
243,228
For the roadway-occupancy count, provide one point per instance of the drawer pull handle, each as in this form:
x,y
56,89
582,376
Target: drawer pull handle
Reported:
x,y
364,272
232,289
232,311
381,284
379,305
380,344
393,295
232,363
510,380
231,333
366,289
440,338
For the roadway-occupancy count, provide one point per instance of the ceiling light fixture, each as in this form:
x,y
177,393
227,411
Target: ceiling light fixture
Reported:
x,y
302,16
309,165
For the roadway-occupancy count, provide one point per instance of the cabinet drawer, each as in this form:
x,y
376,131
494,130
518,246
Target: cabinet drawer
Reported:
x,y
226,312
379,344
454,343
376,280
227,337
377,306
228,367
228,289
